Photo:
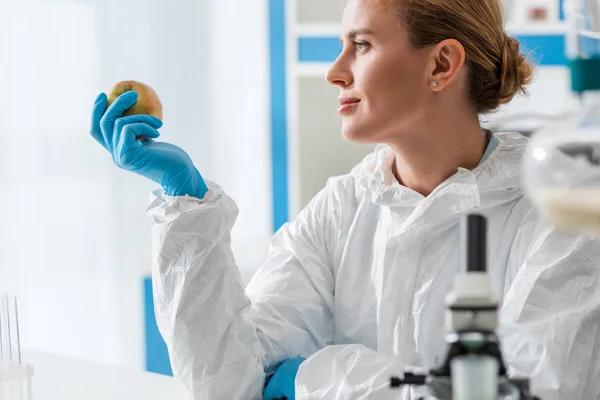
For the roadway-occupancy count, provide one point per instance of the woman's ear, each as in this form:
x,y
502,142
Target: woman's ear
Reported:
x,y
448,57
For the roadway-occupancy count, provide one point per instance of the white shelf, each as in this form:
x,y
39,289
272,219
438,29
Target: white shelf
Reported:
x,y
591,34
542,28
311,70
311,30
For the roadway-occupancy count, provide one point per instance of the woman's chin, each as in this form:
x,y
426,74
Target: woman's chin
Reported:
x,y
355,134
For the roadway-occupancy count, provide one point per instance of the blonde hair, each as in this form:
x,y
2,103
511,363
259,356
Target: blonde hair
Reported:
x,y
498,69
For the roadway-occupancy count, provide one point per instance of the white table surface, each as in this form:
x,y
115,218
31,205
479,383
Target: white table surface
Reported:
x,y
58,378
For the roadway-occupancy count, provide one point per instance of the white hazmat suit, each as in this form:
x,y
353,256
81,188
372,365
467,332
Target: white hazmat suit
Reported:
x,y
357,284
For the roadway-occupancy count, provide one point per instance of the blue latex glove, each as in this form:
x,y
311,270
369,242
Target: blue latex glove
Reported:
x,y
163,163
281,384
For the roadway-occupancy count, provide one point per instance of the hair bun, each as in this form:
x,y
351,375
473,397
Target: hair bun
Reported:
x,y
515,72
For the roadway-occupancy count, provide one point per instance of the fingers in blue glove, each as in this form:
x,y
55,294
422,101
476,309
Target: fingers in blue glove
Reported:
x,y
120,123
97,113
282,383
114,112
128,150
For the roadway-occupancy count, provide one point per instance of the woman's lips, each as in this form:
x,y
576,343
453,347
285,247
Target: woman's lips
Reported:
x,y
347,105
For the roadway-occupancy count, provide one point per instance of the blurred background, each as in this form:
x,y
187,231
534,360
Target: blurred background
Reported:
x,y
243,89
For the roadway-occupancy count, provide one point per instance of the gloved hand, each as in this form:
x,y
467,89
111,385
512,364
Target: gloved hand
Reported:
x,y
163,163
281,384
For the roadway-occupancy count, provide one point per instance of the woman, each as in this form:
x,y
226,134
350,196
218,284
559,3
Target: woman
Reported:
x,y
356,283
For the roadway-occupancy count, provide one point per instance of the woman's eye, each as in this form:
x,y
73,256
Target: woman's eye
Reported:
x,y
359,46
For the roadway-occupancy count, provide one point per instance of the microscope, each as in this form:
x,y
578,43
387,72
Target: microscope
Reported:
x,y
473,367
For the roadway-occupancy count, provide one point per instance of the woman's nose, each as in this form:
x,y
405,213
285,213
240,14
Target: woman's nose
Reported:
x,y
339,76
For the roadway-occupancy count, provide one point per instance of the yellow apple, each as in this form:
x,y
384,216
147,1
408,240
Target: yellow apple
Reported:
x,y
147,102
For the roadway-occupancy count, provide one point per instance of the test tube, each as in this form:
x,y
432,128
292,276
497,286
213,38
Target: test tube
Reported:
x,y
14,326
10,346
15,377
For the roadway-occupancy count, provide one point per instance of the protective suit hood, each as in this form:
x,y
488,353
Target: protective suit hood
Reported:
x,y
494,182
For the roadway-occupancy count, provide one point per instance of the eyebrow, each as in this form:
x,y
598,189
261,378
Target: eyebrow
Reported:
x,y
356,32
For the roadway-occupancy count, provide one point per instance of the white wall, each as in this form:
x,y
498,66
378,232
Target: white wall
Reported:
x,y
75,240
319,11
239,96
